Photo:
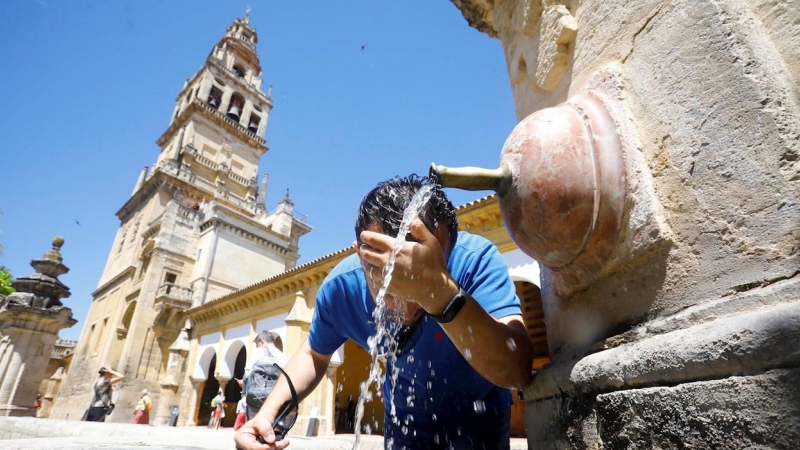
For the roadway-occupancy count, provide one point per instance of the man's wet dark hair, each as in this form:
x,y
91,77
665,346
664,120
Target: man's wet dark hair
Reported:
x,y
385,204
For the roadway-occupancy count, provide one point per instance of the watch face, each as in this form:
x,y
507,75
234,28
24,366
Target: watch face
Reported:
x,y
453,307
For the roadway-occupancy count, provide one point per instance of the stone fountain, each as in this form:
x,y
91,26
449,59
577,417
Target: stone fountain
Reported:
x,y
30,320
655,175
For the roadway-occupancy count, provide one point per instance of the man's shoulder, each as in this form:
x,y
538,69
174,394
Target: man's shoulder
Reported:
x,y
345,267
344,276
468,244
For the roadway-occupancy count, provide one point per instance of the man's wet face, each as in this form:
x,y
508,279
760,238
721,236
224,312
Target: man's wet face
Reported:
x,y
404,311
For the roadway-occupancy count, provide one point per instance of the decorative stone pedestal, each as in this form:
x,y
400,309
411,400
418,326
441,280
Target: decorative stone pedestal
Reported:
x,y
30,320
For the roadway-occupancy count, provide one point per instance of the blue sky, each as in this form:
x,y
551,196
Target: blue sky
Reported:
x,y
88,86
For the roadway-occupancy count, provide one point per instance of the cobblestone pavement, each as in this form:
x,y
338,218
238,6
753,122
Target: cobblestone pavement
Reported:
x,y
25,433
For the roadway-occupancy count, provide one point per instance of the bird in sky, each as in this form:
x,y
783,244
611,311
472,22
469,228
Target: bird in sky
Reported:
x,y
76,221
363,47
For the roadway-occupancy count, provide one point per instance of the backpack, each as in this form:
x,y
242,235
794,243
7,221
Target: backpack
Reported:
x,y
214,402
260,381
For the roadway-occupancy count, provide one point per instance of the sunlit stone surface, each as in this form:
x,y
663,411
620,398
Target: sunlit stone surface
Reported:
x,y
694,314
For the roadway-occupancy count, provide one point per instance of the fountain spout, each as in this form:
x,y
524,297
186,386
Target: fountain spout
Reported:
x,y
561,186
473,178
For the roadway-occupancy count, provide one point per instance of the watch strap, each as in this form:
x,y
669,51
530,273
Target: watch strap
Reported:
x,y
453,307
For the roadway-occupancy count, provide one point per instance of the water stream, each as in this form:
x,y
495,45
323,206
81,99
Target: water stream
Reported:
x,y
387,323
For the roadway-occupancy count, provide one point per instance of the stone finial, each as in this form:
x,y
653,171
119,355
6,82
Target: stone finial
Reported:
x,y
54,254
286,198
43,289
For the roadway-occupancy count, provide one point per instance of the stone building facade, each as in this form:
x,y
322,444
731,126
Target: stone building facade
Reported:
x,y
195,228
688,333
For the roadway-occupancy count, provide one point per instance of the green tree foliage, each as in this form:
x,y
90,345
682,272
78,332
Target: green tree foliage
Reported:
x,y
5,281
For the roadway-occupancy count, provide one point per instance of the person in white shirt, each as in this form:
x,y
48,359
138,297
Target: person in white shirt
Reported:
x,y
241,413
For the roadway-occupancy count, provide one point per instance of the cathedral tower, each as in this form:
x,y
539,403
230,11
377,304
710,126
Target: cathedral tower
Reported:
x,y
194,229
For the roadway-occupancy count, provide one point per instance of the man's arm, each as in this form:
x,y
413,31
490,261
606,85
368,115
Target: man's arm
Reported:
x,y
306,368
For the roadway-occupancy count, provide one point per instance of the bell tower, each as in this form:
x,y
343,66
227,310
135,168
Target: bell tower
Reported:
x,y
216,134
195,228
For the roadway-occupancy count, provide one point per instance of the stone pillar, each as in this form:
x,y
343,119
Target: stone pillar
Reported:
x,y
30,320
680,326
189,417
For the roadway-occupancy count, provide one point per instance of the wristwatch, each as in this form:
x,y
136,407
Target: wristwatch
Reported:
x,y
453,307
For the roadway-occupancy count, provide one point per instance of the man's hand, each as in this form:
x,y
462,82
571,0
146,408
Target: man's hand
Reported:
x,y
420,272
257,434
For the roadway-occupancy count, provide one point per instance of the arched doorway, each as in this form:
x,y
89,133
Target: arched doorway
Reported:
x,y
233,392
210,388
349,375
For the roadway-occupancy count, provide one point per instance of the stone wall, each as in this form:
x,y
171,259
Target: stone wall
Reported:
x,y
711,106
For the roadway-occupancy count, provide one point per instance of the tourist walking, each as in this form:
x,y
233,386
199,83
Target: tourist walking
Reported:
x,y
217,410
456,328
241,413
141,414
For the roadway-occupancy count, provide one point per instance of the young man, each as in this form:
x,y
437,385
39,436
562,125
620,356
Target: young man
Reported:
x,y
464,344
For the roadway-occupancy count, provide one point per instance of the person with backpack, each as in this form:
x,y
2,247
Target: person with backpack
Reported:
x,y
141,413
217,410
260,377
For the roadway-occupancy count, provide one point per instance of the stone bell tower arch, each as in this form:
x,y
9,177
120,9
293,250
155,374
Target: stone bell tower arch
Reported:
x,y
195,228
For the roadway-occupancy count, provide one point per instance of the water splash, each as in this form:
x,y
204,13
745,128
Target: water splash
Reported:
x,y
387,323
512,344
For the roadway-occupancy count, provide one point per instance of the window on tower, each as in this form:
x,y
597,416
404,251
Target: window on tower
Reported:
x,y
239,70
214,97
254,121
235,108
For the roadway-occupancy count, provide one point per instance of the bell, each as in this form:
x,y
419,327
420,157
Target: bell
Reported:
x,y
233,113
253,127
213,102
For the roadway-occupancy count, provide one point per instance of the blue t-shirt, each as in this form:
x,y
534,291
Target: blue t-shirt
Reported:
x,y
435,384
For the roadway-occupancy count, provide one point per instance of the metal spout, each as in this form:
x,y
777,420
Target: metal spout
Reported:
x,y
473,178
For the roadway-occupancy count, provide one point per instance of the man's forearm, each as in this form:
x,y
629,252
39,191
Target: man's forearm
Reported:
x,y
306,369
501,351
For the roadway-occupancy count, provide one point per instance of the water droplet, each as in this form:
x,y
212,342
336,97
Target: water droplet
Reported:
x,y
404,429
512,344
469,328
468,354
479,406
436,439
368,429
410,359
433,417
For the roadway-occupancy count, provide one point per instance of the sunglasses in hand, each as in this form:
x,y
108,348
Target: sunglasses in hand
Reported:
x,y
287,414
